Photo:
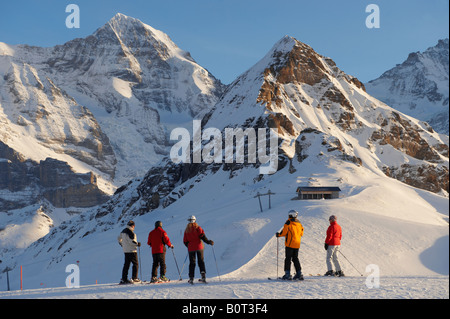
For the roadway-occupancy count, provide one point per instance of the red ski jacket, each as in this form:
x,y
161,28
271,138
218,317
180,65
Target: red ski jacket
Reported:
x,y
193,238
157,239
334,234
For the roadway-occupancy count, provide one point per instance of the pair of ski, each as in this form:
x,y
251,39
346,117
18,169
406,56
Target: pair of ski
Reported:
x,y
144,282
158,282
200,281
281,279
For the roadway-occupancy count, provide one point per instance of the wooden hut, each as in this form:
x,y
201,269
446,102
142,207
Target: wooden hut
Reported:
x,y
322,192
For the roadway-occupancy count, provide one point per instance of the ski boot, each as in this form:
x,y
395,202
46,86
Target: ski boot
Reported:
x,y
339,273
203,279
287,276
163,278
191,280
298,276
330,273
154,280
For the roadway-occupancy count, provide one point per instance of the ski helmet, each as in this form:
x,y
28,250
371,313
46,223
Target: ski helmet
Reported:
x,y
293,213
158,224
332,218
192,219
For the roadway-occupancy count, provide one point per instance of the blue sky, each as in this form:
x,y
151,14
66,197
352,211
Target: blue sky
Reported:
x,y
229,36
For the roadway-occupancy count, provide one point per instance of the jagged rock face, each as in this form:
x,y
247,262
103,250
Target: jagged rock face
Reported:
x,y
26,181
406,138
419,86
428,177
87,195
329,143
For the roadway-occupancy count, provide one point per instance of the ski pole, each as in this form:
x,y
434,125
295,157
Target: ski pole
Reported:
x,y
184,262
140,265
350,263
214,254
277,257
176,264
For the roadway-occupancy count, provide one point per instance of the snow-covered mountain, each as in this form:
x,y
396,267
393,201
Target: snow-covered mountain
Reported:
x,y
105,103
330,133
295,90
418,86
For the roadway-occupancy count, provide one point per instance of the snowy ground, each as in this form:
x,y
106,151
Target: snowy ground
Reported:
x,y
313,287
402,230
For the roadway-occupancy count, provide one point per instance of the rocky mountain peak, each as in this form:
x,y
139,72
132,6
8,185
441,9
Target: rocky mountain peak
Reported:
x,y
138,37
418,86
296,62
300,64
294,89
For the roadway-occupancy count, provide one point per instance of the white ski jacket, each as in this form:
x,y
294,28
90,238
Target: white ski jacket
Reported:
x,y
128,240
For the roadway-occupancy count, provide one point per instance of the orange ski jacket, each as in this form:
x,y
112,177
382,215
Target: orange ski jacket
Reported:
x,y
293,231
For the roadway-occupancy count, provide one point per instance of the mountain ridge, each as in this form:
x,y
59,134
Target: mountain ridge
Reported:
x,y
419,86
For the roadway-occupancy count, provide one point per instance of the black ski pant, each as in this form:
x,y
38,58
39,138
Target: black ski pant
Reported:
x,y
159,260
292,256
130,258
201,262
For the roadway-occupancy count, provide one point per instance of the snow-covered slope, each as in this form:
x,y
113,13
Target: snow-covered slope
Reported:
x,y
401,229
418,86
331,133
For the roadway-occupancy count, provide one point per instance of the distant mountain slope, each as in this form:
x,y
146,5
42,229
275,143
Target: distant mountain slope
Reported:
x,y
129,80
419,86
103,104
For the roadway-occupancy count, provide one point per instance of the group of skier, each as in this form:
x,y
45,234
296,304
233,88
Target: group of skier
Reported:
x,y
194,235
158,240
293,232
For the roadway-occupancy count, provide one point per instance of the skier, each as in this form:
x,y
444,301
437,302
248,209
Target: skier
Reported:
x,y
332,246
193,237
128,240
293,231
157,239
